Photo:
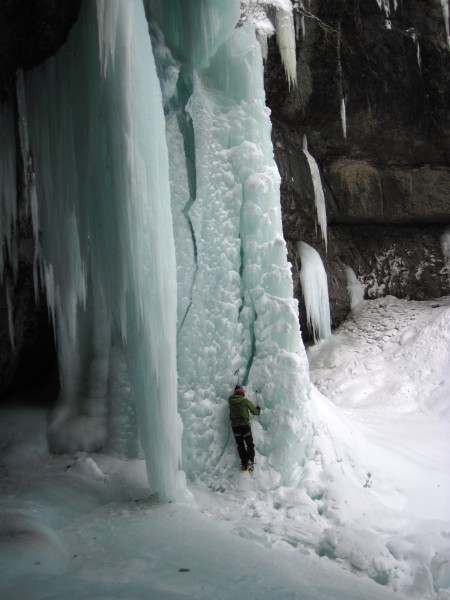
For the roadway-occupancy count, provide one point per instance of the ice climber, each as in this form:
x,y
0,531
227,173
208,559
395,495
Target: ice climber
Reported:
x,y
240,409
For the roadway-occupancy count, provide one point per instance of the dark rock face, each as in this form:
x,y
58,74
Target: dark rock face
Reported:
x,y
387,181
30,31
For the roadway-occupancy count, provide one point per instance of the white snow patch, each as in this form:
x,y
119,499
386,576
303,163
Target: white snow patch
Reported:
x,y
370,518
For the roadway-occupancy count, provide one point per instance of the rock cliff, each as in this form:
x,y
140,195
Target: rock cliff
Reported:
x,y
373,100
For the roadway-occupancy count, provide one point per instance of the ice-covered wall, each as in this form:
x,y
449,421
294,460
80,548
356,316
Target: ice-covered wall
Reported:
x,y
97,145
235,298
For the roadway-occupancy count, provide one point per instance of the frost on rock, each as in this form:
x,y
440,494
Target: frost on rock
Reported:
x,y
319,197
313,279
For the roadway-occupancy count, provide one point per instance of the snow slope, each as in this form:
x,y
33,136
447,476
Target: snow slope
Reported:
x,y
370,519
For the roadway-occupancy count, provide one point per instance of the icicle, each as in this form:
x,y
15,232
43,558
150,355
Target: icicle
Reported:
x,y
354,287
285,32
28,173
446,14
313,279
9,303
319,197
385,6
8,209
445,245
96,128
343,118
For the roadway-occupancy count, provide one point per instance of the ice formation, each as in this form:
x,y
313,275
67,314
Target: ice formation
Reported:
x,y
236,307
354,287
8,210
107,251
343,118
319,197
446,15
445,245
313,279
155,204
275,16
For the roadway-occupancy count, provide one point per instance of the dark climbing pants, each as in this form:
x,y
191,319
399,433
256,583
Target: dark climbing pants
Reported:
x,y
244,440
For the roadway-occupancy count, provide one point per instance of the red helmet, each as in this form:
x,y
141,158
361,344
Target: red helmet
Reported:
x,y
238,390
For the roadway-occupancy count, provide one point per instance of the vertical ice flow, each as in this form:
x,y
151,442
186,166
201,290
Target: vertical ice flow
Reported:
x,y
313,279
94,120
446,15
275,16
354,287
97,133
242,314
8,211
319,197
343,118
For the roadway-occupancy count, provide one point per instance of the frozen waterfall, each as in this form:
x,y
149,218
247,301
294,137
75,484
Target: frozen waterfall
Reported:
x,y
158,234
96,131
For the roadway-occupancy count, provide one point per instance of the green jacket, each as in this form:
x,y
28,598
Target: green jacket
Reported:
x,y
240,407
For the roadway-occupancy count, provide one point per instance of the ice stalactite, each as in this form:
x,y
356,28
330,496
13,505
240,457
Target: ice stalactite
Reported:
x,y
319,196
8,212
343,118
445,246
354,287
8,194
96,130
313,279
446,15
113,149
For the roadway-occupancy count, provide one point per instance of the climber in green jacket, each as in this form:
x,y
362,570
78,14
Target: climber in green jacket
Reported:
x,y
240,409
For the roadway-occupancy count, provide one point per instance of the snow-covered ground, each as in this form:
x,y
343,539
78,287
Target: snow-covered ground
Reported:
x,y
371,520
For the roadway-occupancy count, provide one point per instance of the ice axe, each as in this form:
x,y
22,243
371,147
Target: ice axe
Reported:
x,y
237,373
